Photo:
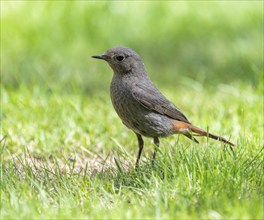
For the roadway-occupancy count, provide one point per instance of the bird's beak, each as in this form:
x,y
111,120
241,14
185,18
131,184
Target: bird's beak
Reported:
x,y
101,56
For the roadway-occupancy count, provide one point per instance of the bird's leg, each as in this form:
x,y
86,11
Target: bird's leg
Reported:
x,y
156,142
140,146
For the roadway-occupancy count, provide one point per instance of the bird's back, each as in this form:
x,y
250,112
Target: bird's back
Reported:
x,y
134,114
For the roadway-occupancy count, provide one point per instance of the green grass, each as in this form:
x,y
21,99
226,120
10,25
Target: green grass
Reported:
x,y
64,151
60,162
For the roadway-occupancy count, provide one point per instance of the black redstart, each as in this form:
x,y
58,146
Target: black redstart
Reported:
x,y
141,106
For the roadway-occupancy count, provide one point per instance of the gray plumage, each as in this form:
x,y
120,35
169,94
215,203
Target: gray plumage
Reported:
x,y
140,105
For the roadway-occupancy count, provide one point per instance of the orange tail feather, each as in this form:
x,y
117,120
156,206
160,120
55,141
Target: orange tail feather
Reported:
x,y
185,128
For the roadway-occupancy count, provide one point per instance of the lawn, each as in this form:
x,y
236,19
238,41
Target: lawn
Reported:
x,y
65,154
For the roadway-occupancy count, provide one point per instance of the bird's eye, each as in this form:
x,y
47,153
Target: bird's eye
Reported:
x,y
120,58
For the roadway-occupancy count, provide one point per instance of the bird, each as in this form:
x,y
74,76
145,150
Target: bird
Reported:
x,y
141,106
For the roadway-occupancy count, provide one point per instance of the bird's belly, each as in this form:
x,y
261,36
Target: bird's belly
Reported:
x,y
152,125
140,119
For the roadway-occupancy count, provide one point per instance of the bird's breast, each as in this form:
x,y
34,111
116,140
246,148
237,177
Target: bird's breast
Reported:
x,y
122,99
134,115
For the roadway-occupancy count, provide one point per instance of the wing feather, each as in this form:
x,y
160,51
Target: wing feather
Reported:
x,y
151,98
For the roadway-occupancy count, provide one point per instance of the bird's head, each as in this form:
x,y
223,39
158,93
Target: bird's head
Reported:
x,y
122,60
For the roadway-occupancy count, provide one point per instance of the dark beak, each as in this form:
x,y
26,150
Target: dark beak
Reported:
x,y
101,56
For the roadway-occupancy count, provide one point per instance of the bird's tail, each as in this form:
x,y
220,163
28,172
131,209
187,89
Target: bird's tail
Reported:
x,y
190,130
201,132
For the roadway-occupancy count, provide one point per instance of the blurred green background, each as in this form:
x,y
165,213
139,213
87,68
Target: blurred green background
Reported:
x,y
205,56
49,43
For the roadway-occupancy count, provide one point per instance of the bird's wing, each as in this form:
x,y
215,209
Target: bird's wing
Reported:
x,y
151,98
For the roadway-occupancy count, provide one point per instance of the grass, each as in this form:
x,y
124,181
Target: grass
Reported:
x,y
76,160
66,155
